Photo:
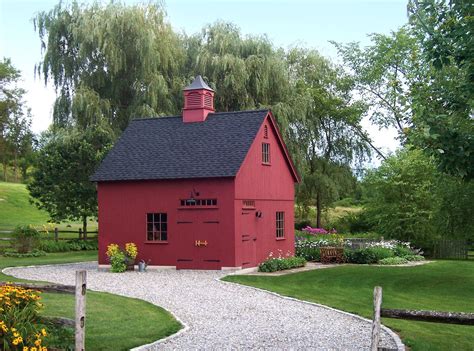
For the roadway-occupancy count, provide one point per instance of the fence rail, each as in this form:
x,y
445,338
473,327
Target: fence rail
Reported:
x,y
79,290
89,235
425,316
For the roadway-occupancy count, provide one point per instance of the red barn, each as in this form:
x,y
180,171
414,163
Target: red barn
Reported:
x,y
204,190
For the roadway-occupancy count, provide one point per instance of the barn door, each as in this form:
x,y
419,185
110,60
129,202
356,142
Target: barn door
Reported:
x,y
249,240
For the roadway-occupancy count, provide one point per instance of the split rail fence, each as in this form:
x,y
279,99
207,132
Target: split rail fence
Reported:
x,y
79,290
56,234
424,316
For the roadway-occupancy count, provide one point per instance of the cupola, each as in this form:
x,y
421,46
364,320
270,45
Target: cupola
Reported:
x,y
198,101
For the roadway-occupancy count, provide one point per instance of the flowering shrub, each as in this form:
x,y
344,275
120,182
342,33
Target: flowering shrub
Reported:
x,y
25,238
19,321
131,250
316,231
281,263
119,259
310,248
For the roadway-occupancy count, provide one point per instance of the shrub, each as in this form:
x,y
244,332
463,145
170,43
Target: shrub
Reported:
x,y
120,258
393,261
117,262
19,327
302,224
369,255
402,251
279,264
25,238
34,253
66,246
414,258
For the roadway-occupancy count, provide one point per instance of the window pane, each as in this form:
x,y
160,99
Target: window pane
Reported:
x,y
149,227
157,226
149,217
164,236
164,217
149,236
164,227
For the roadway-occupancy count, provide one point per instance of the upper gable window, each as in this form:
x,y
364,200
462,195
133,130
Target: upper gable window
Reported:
x,y
266,153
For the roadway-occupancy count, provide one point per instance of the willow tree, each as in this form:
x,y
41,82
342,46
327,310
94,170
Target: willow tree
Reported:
x,y
324,128
109,62
247,72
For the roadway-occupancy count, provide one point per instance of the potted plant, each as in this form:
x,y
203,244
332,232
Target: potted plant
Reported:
x,y
122,260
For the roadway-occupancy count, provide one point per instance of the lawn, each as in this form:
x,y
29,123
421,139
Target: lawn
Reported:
x,y
113,322
15,209
441,285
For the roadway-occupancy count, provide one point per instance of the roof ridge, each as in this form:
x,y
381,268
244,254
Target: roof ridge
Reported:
x,y
213,113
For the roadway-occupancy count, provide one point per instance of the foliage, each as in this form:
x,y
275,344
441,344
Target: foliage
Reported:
x,y
49,245
299,225
25,238
355,222
368,255
440,286
383,72
19,319
281,263
320,231
444,97
324,131
16,138
119,259
401,198
33,253
64,164
393,261
414,258
110,62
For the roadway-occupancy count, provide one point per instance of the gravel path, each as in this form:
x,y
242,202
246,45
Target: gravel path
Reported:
x,y
223,316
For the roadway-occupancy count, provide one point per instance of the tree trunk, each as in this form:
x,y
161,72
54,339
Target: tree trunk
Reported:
x,y
5,172
15,167
84,227
318,210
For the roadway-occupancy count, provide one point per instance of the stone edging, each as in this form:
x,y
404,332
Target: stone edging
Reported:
x,y
138,348
395,337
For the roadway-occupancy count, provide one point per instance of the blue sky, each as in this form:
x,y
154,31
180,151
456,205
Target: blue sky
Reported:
x,y
287,23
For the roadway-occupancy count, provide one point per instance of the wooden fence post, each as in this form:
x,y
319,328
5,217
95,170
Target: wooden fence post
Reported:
x,y
56,234
81,288
376,320
80,233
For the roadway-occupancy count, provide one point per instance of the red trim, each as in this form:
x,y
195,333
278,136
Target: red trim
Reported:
x,y
294,172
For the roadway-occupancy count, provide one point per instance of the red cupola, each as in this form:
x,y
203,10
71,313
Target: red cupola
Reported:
x,y
198,101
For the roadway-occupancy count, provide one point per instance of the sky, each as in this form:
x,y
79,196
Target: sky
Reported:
x,y
287,23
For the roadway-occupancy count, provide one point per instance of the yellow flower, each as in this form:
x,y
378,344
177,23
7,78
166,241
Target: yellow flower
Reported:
x,y
131,250
38,342
33,349
25,348
43,331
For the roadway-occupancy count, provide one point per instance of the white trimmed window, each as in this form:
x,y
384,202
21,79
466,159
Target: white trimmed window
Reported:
x,y
280,225
266,153
157,227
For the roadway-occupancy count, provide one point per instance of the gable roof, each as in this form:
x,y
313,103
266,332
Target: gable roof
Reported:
x,y
167,148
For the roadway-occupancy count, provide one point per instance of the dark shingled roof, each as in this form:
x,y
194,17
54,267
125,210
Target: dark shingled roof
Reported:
x,y
167,148
198,83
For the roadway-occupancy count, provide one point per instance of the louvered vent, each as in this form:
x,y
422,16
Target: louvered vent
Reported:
x,y
208,101
265,132
193,100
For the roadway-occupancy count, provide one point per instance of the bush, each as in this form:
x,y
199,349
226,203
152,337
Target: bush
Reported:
x,y
369,255
402,251
25,239
393,261
353,223
34,253
302,224
414,258
66,246
279,264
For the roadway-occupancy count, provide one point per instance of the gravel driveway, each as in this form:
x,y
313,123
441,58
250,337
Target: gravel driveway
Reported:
x,y
222,316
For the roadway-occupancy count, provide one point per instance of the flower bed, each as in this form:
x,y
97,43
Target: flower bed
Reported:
x,y
120,259
280,264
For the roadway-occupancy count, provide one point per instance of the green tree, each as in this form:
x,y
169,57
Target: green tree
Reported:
x,y
247,72
64,163
111,62
443,101
401,197
15,119
383,72
323,128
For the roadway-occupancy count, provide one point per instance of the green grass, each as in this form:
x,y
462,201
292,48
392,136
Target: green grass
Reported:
x,y
442,286
15,209
113,322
